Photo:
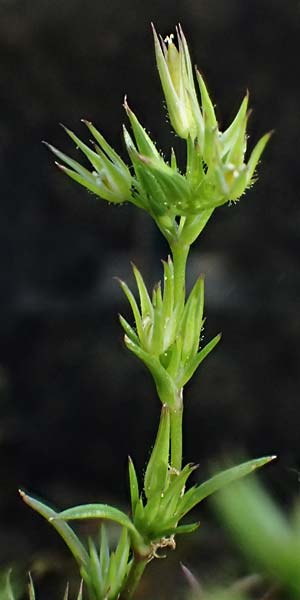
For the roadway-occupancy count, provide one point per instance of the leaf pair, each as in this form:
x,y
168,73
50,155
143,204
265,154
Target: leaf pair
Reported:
x,y
166,336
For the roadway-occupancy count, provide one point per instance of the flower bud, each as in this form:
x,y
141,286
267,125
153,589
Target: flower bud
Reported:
x,y
176,75
110,178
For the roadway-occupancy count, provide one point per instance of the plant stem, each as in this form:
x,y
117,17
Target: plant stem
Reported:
x,y
134,576
176,415
180,253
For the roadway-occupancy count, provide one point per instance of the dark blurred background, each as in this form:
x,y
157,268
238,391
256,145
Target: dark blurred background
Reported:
x,y
73,402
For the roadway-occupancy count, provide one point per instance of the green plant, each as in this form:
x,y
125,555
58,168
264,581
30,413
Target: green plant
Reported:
x,y
167,331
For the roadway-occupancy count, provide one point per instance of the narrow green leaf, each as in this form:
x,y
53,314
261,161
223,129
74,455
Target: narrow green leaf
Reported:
x,y
113,584
103,553
134,307
168,296
157,469
190,528
151,516
95,511
175,358
194,225
196,361
173,494
129,330
122,554
66,533
139,514
165,385
222,479
158,332
133,484
97,578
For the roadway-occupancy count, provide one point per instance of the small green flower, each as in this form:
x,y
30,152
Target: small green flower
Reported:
x,y
176,75
110,178
216,170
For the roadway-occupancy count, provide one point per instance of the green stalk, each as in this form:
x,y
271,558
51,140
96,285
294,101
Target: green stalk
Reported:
x,y
179,253
176,415
136,571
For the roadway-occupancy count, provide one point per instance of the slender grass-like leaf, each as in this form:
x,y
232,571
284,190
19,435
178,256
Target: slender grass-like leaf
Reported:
x,y
64,530
196,361
219,481
133,485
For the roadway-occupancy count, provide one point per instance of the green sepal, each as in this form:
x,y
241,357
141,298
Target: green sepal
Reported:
x,y
237,151
156,476
143,140
95,159
91,184
208,110
76,166
256,154
111,153
230,134
198,493
66,533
